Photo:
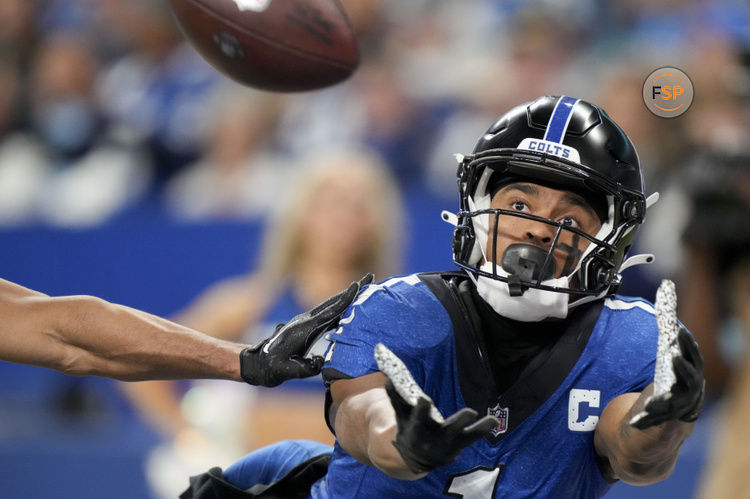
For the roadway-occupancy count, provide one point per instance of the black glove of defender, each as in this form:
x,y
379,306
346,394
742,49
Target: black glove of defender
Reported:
x,y
281,357
685,399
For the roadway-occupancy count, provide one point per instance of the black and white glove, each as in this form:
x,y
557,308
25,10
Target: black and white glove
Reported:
x,y
424,438
282,356
679,385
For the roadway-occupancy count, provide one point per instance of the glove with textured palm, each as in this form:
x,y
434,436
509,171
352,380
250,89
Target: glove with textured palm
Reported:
x,y
684,400
425,439
281,356
679,385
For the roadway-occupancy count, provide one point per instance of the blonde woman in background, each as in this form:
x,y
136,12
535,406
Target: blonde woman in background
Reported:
x,y
339,219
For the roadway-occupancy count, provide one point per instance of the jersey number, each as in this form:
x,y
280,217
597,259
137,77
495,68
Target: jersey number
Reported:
x,y
477,483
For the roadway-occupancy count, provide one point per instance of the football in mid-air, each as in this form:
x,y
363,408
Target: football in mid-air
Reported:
x,y
276,45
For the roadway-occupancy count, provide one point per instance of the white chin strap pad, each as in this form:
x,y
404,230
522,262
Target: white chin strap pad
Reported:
x,y
532,306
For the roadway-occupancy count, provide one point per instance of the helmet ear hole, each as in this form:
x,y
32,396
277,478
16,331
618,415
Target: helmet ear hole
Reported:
x,y
603,276
599,274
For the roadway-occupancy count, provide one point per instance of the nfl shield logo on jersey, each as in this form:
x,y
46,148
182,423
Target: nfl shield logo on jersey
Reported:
x,y
501,413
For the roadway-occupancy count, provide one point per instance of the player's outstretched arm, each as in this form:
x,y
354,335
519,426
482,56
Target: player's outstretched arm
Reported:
x,y
424,438
639,434
365,425
385,420
84,335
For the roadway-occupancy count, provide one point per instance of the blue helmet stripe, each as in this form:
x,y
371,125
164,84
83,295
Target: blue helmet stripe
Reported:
x,y
558,122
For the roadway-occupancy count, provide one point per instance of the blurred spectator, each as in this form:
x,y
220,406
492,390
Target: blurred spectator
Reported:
x,y
64,114
717,238
66,168
240,172
372,110
17,32
23,163
93,175
339,218
158,91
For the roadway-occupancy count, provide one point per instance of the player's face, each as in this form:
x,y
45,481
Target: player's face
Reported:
x,y
558,205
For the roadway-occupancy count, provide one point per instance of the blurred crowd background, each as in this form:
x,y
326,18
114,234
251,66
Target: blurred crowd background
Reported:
x,y
131,169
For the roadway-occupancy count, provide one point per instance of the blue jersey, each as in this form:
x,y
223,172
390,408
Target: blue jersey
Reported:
x,y
543,446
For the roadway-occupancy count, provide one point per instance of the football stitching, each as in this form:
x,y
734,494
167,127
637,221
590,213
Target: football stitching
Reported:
x,y
273,43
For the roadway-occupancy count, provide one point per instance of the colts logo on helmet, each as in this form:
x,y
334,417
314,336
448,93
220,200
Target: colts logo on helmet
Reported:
x,y
552,143
554,148
501,413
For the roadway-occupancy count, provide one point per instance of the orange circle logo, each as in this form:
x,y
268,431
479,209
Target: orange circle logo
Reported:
x,y
668,92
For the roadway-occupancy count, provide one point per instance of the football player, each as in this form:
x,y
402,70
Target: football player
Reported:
x,y
84,335
522,374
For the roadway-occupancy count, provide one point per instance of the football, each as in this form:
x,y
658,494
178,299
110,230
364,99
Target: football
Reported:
x,y
275,45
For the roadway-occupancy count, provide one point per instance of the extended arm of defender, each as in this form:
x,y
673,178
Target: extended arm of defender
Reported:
x,y
84,335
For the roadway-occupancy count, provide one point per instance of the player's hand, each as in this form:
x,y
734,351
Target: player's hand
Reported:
x,y
281,357
678,381
424,439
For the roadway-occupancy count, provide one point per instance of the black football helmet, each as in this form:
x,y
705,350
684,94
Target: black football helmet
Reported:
x,y
564,143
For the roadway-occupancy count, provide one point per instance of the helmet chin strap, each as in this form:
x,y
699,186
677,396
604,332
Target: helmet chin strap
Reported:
x,y
512,300
533,305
